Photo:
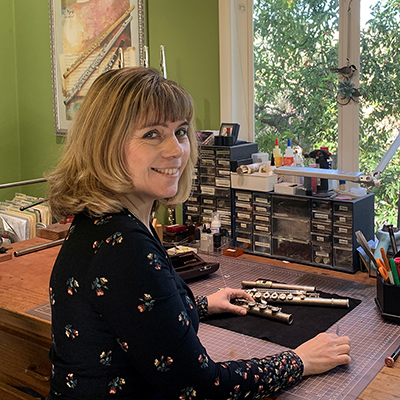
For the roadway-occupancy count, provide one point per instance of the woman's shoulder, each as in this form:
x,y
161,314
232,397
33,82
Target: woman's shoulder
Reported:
x,y
123,221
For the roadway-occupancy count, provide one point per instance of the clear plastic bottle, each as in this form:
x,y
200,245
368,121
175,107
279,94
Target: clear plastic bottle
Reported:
x,y
215,224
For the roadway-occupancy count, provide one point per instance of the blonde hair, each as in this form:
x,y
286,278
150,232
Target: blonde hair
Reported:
x,y
93,169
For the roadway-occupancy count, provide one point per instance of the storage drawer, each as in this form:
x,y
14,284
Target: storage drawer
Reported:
x,y
209,201
343,259
243,226
24,361
343,219
262,198
321,227
321,239
243,196
262,209
262,244
291,206
291,228
321,216
322,254
242,206
342,230
343,242
291,249
346,208
321,206
261,228
244,240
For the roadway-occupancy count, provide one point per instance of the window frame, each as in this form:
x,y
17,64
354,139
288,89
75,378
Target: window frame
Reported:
x,y
237,73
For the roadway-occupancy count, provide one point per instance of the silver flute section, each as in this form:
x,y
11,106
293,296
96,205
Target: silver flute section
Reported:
x,y
39,247
264,310
265,284
295,297
21,183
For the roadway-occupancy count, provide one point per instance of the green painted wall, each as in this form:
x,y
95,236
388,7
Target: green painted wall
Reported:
x,y
188,29
9,131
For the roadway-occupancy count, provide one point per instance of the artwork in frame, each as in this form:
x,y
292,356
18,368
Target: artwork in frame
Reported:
x,y
89,37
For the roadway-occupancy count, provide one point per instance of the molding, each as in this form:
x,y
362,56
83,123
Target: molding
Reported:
x,y
236,65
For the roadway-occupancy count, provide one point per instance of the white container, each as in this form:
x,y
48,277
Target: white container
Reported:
x,y
260,158
286,187
258,181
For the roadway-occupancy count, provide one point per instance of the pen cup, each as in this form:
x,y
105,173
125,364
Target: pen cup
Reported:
x,y
387,300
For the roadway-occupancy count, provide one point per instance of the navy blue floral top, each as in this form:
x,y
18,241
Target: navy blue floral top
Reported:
x,y
124,324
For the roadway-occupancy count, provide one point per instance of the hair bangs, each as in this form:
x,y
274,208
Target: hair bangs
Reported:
x,y
164,103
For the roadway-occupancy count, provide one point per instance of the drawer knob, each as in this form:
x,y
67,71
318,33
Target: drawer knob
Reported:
x,y
31,371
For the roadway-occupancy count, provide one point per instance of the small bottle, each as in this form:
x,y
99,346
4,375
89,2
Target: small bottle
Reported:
x,y
278,159
215,224
190,229
288,158
298,162
204,240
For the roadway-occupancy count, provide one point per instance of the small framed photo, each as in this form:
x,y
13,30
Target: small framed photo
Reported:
x,y
228,134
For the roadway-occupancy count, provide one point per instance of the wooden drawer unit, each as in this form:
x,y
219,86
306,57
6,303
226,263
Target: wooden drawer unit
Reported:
x,y
24,360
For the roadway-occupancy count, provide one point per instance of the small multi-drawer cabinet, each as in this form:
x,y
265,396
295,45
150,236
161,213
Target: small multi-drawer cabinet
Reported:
x,y
305,229
211,186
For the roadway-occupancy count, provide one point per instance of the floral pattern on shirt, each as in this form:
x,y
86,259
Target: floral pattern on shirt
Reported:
x,y
119,306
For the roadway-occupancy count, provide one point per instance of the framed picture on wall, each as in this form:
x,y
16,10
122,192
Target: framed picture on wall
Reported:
x,y
89,37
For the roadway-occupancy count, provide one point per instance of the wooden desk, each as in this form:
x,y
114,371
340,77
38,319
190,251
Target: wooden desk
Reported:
x,y
25,340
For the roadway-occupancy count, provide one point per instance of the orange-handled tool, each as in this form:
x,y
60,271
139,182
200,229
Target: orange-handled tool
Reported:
x,y
385,259
382,269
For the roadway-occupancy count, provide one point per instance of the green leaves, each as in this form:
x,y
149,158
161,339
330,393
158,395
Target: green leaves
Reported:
x,y
295,45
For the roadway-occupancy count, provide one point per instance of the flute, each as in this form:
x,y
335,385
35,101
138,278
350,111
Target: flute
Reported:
x,y
299,297
264,284
264,310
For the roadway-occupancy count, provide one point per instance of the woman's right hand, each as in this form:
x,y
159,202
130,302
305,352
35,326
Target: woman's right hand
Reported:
x,y
324,352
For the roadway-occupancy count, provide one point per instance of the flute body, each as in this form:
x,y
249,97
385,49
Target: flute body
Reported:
x,y
264,310
265,284
295,297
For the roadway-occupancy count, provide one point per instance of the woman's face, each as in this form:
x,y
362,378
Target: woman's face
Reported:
x,y
156,157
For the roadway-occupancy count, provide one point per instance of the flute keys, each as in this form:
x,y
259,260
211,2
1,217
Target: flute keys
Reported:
x,y
251,304
289,296
282,296
257,296
274,296
262,307
266,296
275,309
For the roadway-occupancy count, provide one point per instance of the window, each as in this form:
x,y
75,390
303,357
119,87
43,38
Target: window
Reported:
x,y
368,125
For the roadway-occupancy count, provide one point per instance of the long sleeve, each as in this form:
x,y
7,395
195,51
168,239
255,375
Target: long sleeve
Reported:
x,y
147,307
126,324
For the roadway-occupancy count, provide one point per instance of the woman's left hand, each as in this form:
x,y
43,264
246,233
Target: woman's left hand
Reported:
x,y
220,302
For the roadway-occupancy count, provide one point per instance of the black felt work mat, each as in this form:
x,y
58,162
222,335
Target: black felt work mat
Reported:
x,y
308,321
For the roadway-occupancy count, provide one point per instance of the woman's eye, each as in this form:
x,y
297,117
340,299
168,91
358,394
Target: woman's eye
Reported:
x,y
181,132
150,135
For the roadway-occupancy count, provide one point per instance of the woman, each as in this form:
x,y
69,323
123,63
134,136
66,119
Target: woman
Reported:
x,y
124,324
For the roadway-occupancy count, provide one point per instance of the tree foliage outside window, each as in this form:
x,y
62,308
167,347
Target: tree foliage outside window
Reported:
x,y
295,46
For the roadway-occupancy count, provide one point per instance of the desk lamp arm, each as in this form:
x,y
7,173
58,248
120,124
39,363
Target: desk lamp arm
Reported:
x,y
386,158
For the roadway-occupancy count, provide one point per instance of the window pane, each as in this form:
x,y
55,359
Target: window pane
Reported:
x,y
295,46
